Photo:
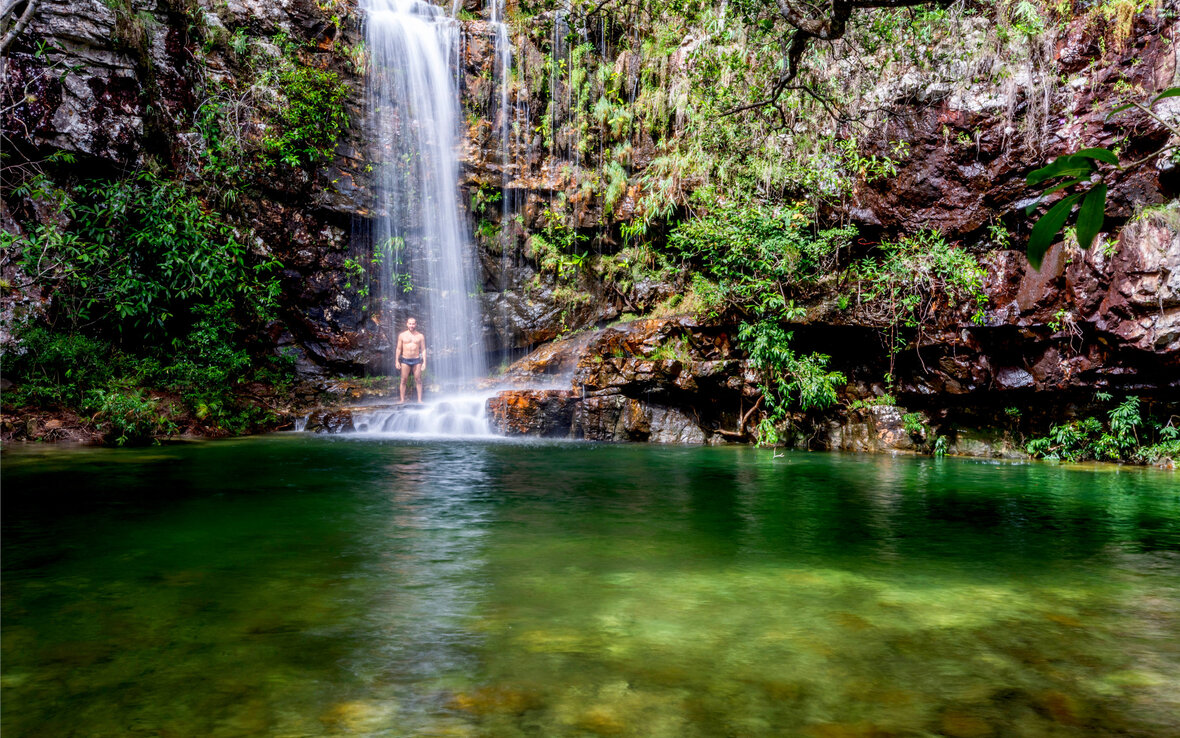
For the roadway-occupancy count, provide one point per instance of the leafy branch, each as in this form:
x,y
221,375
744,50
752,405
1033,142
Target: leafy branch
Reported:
x,y
1082,172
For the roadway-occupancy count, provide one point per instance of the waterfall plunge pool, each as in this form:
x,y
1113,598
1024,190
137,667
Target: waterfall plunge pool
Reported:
x,y
307,586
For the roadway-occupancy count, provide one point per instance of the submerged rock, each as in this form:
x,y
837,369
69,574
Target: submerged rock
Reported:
x,y
497,699
359,716
330,421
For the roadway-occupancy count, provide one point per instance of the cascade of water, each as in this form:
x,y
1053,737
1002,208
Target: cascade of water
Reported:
x,y
455,415
503,122
503,51
560,31
414,120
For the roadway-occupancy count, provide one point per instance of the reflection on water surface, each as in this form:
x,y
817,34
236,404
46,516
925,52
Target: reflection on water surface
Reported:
x,y
302,586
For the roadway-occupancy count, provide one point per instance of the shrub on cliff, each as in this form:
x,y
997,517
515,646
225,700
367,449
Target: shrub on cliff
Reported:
x,y
757,257
132,257
285,107
312,115
902,288
1125,436
748,261
786,377
146,289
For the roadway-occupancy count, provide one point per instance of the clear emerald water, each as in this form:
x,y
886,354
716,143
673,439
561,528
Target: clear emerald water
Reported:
x,y
303,586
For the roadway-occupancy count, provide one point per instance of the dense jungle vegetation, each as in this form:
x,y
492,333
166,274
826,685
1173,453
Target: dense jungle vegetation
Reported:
x,y
722,145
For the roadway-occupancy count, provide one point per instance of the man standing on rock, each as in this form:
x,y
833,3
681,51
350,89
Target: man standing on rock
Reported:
x,y
411,356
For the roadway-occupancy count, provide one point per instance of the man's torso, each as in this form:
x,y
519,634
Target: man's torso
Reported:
x,y
411,344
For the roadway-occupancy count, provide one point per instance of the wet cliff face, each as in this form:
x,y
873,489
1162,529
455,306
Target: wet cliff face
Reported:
x,y
1087,319
511,181
1102,319
126,85
123,86
970,153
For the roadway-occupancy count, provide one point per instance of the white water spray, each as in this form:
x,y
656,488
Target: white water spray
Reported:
x,y
414,126
463,415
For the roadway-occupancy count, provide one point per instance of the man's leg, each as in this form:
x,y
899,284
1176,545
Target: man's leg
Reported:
x,y
405,376
418,381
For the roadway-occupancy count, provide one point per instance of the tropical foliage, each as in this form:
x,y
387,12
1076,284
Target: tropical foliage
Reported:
x,y
150,290
1124,436
1081,175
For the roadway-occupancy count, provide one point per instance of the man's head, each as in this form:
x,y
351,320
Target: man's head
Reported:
x,y
411,325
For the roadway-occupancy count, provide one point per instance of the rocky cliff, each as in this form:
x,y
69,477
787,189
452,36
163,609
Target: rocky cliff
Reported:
x,y
1102,320
124,86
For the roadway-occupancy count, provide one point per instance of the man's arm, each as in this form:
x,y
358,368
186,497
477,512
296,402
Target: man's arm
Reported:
x,y
423,353
397,354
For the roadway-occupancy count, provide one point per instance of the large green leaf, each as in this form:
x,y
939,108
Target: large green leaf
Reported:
x,y
1047,228
1100,154
1090,215
1170,92
1064,166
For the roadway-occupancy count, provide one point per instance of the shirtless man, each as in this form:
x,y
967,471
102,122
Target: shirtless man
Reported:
x,y
411,356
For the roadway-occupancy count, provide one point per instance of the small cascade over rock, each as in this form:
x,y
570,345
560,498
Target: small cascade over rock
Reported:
x,y
453,416
457,415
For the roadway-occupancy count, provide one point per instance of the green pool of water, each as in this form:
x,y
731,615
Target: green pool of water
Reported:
x,y
300,586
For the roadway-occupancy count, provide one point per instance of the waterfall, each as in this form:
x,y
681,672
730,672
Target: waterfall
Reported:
x,y
500,74
503,51
514,131
420,230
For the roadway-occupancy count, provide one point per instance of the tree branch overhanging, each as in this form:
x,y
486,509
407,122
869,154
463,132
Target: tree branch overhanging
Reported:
x,y
811,22
6,11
